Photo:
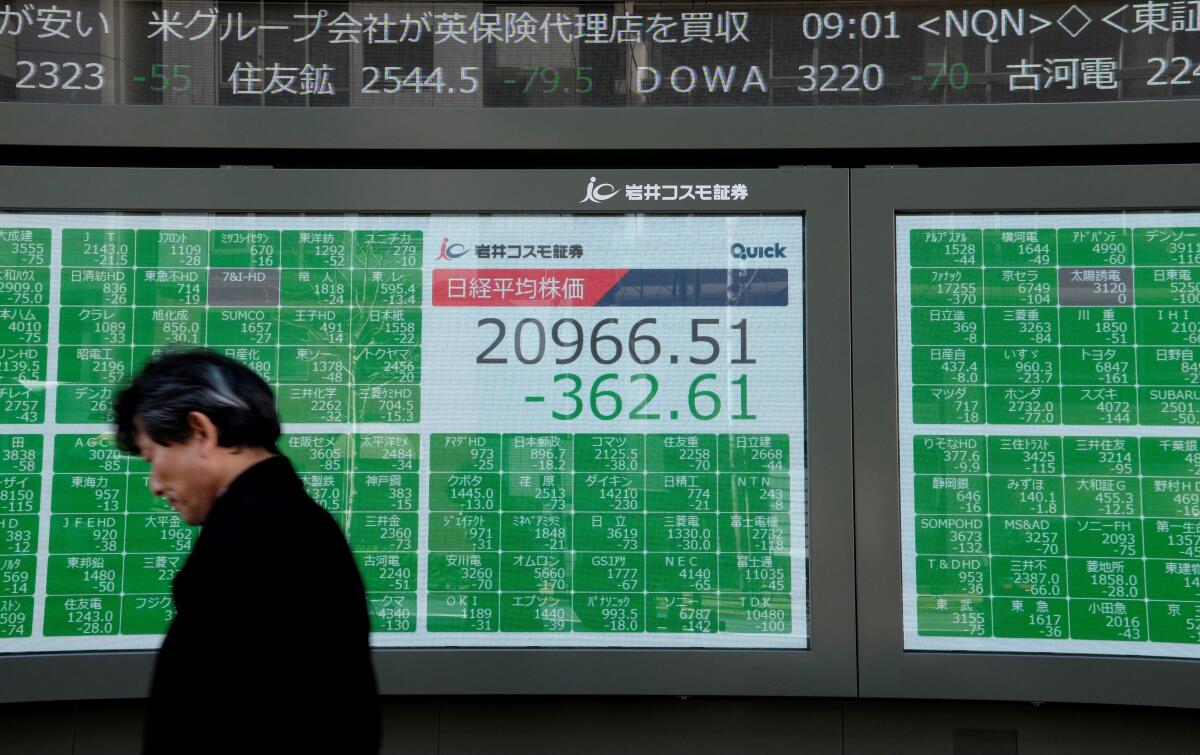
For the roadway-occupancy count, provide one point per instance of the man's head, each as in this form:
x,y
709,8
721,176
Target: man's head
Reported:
x,y
200,419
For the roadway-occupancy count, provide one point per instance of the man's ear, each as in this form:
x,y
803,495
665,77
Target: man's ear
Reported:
x,y
204,431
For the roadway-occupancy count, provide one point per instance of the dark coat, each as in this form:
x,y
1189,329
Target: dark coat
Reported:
x,y
269,649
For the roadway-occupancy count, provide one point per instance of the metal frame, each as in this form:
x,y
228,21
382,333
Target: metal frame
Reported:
x,y
827,668
886,670
1149,122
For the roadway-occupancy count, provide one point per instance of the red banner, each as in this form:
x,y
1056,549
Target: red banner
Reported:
x,y
522,288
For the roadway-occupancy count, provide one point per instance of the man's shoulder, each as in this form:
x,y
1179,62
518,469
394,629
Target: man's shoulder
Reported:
x,y
269,505
269,487
293,507
280,503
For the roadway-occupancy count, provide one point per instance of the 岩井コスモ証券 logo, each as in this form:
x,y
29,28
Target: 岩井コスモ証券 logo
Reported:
x,y
598,192
451,251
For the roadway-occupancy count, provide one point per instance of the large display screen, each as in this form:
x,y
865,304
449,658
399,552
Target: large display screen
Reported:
x,y
534,430
1049,377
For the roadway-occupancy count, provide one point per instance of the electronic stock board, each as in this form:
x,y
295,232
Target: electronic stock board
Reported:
x,y
1041,514
540,511
545,430
1050,466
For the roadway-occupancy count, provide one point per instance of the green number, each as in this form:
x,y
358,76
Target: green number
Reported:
x,y
533,73
552,82
695,393
156,72
596,393
955,74
178,72
571,394
580,76
182,83
637,410
743,384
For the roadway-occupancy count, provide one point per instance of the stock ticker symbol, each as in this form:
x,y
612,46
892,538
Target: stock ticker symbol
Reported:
x,y
598,192
451,251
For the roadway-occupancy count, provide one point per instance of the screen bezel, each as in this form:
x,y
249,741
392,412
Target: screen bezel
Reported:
x,y
826,668
670,129
886,668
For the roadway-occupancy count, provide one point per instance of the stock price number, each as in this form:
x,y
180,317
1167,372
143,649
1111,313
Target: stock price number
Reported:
x,y
605,342
608,396
611,396
49,74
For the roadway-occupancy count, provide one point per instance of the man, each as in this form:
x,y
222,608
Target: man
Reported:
x,y
268,651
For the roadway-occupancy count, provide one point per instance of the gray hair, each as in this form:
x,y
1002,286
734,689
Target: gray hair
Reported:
x,y
172,386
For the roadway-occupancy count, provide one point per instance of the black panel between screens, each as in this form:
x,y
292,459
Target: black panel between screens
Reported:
x,y
502,159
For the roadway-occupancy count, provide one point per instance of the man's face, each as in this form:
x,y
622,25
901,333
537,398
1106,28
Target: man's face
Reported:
x,y
179,474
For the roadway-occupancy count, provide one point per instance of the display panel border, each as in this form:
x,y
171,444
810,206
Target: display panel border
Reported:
x,y
1151,122
886,669
827,668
